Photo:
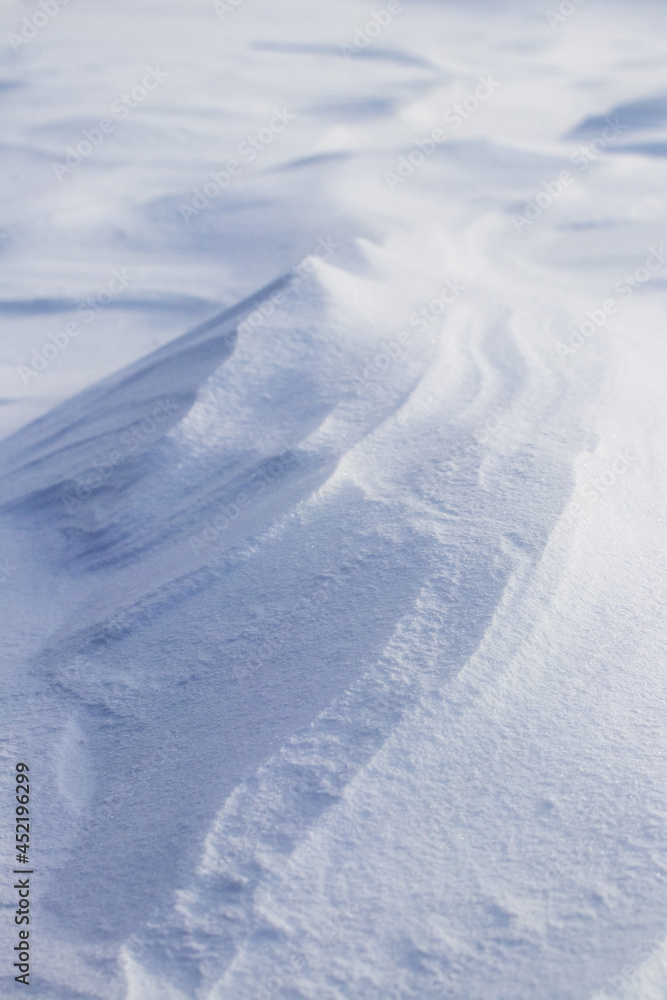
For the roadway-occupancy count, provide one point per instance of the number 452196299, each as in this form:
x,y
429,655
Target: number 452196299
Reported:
x,y
22,813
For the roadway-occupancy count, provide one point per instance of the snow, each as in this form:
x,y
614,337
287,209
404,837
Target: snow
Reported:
x,y
333,539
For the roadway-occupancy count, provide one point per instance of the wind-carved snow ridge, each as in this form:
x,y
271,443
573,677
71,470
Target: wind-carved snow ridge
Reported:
x,y
334,627
460,554
53,450
373,519
202,946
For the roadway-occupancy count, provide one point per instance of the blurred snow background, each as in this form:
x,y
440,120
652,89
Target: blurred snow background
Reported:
x,y
334,624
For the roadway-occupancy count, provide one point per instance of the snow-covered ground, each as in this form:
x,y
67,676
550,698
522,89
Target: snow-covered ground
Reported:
x,y
333,555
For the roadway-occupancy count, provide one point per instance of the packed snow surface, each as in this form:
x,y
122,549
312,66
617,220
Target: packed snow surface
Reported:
x,y
333,497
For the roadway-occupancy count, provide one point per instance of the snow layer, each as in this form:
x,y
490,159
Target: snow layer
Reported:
x,y
334,626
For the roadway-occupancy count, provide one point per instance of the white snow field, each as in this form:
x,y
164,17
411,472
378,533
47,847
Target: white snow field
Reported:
x,y
333,563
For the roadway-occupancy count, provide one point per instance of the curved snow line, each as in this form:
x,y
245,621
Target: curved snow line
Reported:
x,y
58,446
